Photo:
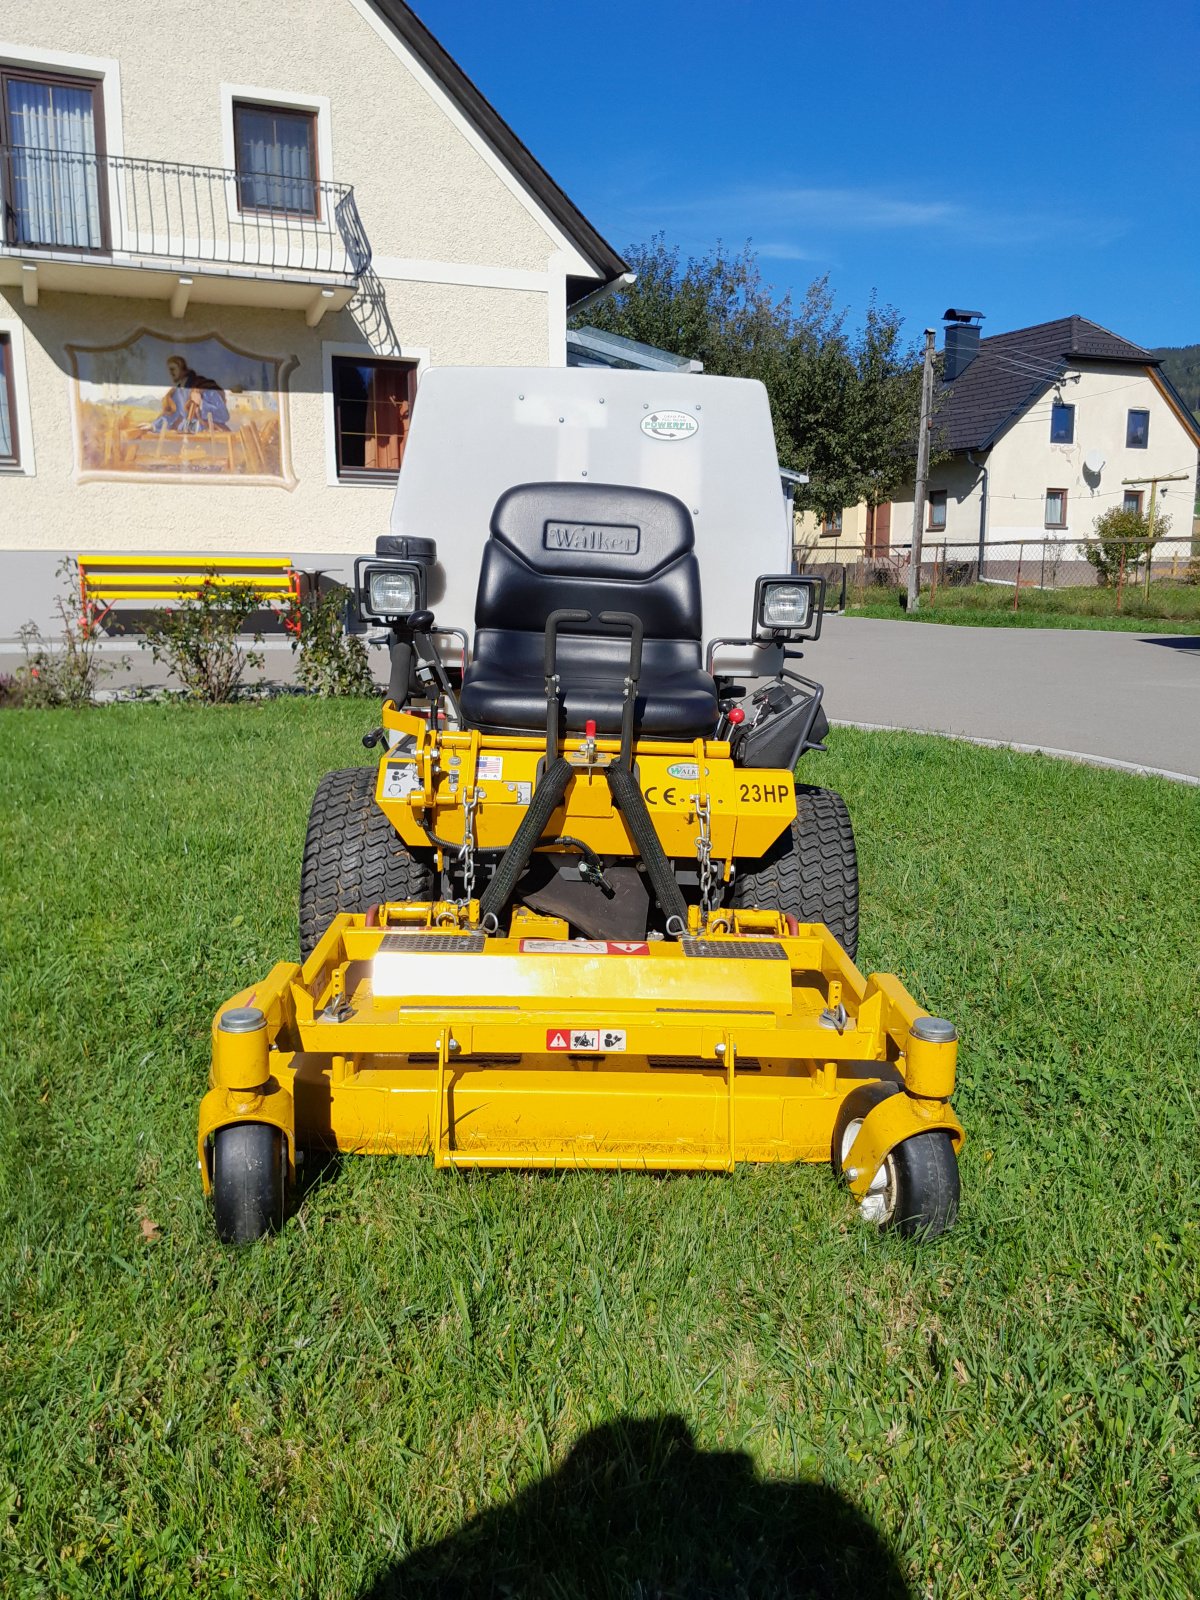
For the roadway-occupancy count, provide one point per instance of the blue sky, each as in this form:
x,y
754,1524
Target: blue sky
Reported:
x,y
1027,160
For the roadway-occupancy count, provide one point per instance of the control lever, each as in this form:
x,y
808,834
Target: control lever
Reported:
x,y
376,736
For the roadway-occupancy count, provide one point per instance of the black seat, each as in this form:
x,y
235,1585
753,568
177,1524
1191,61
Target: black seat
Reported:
x,y
589,547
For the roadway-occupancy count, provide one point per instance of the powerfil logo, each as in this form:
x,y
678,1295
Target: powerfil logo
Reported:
x,y
670,425
592,536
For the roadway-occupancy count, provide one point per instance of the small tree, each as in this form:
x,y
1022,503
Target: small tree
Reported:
x,y
199,642
1123,540
64,671
331,660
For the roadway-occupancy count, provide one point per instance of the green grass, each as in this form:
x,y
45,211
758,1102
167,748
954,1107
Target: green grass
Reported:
x,y
596,1384
1169,608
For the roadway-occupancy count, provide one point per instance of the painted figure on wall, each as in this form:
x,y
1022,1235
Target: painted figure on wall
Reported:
x,y
222,419
192,404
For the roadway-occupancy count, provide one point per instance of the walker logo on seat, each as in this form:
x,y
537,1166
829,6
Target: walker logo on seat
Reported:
x,y
670,425
592,536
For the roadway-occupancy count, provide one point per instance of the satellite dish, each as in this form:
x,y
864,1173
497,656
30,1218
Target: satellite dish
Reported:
x,y
1093,462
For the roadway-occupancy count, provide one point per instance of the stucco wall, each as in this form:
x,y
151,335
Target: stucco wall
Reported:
x,y
423,190
470,271
53,511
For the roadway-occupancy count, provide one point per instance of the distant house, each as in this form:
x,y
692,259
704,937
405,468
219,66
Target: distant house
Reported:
x,y
1039,430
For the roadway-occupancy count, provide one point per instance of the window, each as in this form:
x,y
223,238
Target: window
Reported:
x,y
1137,430
372,407
1133,501
275,149
1056,508
10,455
53,148
831,527
1062,423
937,509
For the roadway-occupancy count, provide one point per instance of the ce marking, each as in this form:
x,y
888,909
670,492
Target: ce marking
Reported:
x,y
668,795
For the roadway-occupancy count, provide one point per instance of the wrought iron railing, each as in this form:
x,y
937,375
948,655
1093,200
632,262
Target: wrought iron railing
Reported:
x,y
168,212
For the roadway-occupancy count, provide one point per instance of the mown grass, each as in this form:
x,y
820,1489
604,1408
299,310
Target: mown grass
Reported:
x,y
582,1384
1169,607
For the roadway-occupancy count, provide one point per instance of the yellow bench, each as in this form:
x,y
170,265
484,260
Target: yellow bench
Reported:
x,y
161,579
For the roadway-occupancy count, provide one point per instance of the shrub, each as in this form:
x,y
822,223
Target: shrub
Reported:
x,y
65,671
200,641
1123,539
331,661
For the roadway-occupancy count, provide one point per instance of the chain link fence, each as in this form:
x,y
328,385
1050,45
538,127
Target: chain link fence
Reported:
x,y
1051,567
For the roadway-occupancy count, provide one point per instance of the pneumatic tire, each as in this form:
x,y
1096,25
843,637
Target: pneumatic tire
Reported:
x,y
811,871
353,858
915,1193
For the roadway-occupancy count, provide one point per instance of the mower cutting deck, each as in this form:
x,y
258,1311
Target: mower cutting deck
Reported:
x,y
581,915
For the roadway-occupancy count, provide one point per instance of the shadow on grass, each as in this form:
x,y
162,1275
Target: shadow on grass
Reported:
x,y
637,1510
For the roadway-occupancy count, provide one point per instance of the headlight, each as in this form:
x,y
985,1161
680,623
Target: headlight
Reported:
x,y
387,590
392,594
788,608
786,605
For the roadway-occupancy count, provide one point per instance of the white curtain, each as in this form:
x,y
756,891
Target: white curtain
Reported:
x,y
275,162
53,166
6,438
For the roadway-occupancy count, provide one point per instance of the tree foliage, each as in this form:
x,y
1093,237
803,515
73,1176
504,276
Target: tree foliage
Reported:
x,y
1123,539
844,401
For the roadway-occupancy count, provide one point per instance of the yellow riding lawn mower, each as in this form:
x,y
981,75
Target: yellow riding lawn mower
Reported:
x,y
581,913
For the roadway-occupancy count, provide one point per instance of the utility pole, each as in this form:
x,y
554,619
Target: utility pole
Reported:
x,y
1163,477
922,488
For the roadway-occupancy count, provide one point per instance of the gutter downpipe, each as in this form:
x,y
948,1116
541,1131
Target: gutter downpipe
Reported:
x,y
981,468
626,280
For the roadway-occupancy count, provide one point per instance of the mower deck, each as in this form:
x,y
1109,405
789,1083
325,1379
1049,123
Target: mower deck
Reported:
x,y
535,1050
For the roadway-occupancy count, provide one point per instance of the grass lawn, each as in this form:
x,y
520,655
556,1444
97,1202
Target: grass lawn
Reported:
x,y
1169,608
596,1384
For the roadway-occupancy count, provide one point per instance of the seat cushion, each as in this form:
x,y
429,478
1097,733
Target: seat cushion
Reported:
x,y
504,687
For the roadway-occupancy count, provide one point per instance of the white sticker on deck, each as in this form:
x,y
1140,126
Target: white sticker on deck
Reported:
x,y
400,778
584,947
489,768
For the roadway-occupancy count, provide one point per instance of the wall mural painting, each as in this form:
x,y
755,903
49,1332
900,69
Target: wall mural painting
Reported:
x,y
187,409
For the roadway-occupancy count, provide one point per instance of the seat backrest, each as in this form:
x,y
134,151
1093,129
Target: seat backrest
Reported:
x,y
590,547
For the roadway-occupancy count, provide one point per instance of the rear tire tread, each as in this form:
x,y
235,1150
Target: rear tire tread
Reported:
x,y
811,871
353,858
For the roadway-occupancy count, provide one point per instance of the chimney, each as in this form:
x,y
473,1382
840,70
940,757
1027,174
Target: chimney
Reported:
x,y
962,341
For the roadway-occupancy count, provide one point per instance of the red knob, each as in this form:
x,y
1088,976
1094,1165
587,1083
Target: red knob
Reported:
x,y
737,715
589,728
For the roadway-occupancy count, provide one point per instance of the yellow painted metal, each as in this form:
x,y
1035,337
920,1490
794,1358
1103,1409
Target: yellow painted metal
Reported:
x,y
531,1050
424,787
891,1122
931,1067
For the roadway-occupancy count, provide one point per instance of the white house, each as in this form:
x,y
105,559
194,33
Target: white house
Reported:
x,y
231,243
1040,431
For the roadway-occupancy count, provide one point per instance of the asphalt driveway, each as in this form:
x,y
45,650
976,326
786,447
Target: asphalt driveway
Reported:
x,y
1125,698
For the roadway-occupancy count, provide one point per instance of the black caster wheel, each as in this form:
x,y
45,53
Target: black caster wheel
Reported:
x,y
915,1192
249,1181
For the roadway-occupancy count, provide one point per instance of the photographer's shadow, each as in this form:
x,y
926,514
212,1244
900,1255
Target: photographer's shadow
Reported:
x,y
636,1510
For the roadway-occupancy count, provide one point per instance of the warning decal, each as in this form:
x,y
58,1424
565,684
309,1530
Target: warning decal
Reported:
x,y
585,1039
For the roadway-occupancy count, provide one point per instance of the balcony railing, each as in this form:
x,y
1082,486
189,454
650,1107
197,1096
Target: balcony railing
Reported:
x,y
124,210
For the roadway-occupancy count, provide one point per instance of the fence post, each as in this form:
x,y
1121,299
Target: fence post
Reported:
x,y
1017,585
1120,580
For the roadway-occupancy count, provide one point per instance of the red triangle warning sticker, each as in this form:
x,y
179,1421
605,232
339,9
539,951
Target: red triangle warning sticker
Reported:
x,y
556,1039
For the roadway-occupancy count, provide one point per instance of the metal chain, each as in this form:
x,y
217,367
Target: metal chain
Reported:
x,y
704,853
467,853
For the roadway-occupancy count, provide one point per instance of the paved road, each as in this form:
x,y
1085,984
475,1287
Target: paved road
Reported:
x,y
1123,697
